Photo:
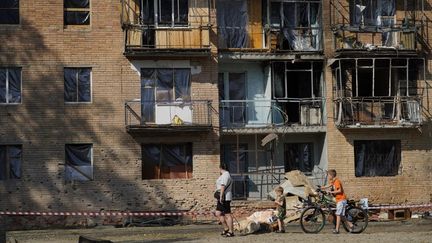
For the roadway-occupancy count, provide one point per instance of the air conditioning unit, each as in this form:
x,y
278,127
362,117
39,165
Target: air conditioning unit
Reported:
x,y
310,115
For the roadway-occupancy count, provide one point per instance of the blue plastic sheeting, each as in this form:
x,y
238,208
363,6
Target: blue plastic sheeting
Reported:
x,y
10,162
372,12
10,85
77,83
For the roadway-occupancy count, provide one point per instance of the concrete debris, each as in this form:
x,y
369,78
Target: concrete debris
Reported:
x,y
297,184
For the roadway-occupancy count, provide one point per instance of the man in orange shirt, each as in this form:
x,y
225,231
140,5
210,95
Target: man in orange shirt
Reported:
x,y
341,202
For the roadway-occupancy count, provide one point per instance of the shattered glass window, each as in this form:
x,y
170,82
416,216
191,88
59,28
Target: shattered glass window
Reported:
x,y
377,157
9,12
76,12
10,162
79,166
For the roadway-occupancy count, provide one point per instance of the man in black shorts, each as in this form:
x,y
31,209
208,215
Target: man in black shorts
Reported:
x,y
223,206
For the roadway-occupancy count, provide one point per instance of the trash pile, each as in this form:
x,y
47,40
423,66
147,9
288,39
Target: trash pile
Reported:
x,y
296,185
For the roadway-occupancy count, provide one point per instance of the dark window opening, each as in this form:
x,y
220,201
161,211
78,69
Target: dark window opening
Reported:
x,y
79,166
299,156
77,84
167,161
173,12
10,85
9,12
10,162
372,12
377,158
232,21
236,158
76,12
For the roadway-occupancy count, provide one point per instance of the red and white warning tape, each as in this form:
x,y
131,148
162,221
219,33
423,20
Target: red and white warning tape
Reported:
x,y
14,213
19,213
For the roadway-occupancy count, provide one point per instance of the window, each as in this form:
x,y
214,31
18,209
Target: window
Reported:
x,y
166,161
372,12
9,12
10,85
236,158
299,156
162,85
77,84
10,162
79,166
377,158
173,12
76,12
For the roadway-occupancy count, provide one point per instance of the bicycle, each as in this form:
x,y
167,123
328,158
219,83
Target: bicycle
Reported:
x,y
313,217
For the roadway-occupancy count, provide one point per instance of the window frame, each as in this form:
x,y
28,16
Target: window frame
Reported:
x,y
7,87
91,162
301,145
77,86
173,22
19,16
65,9
187,146
7,166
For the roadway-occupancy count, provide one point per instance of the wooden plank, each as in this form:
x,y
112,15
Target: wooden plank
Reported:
x,y
255,23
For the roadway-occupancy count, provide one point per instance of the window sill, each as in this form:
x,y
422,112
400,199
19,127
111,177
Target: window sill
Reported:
x,y
78,103
10,104
77,28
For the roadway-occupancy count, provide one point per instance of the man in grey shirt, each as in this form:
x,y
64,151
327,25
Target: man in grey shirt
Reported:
x,y
223,207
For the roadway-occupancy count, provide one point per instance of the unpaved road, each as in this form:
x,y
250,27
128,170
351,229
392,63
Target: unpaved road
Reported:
x,y
400,231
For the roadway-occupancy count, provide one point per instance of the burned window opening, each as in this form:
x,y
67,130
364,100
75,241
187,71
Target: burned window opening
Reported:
x,y
298,89
167,161
378,91
299,156
377,158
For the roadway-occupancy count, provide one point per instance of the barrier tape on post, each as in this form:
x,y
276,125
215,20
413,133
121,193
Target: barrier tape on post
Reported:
x,y
21,213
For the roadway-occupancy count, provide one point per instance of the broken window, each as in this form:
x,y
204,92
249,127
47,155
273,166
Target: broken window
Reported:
x,y
76,12
166,161
10,162
163,85
234,107
77,84
299,156
236,158
299,22
79,162
232,20
9,12
377,158
10,85
297,87
372,13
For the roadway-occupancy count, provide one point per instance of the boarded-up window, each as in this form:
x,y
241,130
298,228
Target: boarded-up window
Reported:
x,y
299,156
10,85
77,84
10,162
377,157
76,12
173,12
79,166
9,12
166,161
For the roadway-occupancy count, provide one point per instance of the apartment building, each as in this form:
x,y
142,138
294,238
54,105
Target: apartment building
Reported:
x,y
132,104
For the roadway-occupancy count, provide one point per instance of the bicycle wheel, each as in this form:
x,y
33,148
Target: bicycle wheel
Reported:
x,y
312,220
358,217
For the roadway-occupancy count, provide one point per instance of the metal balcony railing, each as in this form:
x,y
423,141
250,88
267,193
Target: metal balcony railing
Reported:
x,y
269,113
397,111
177,114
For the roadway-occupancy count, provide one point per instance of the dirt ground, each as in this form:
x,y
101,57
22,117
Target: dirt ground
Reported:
x,y
414,230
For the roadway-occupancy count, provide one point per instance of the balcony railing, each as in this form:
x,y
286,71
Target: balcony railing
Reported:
x,y
270,113
397,111
168,116
146,40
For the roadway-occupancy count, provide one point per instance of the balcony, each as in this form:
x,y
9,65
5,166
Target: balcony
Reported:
x,y
293,115
274,29
153,29
384,26
160,117
378,112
